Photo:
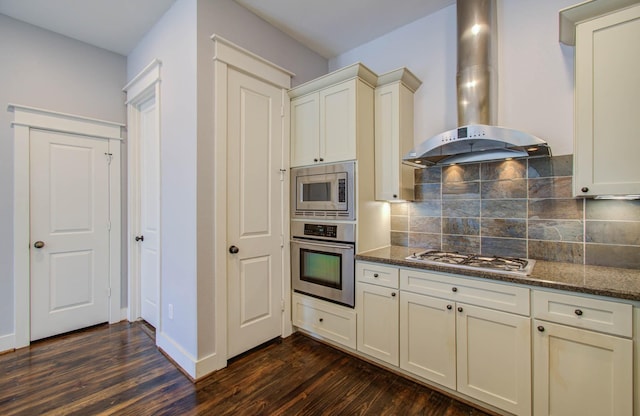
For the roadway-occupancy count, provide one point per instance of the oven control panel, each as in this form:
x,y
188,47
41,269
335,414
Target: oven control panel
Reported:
x,y
321,230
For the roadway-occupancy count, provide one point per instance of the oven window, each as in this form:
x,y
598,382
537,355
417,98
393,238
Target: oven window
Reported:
x,y
318,191
321,268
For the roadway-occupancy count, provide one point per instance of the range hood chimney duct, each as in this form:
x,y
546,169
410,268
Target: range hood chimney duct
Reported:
x,y
474,78
477,138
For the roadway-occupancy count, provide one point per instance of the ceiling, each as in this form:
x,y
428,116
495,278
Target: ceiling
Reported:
x,y
328,27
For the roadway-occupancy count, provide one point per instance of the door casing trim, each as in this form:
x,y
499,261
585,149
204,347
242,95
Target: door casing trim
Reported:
x,y
142,87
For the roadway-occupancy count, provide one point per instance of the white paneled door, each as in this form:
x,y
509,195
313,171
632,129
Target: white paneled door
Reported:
x,y
254,207
149,219
69,193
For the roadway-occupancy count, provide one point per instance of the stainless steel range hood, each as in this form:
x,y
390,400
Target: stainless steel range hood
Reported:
x,y
477,139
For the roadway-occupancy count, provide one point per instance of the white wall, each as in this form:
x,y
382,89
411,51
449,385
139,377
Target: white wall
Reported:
x,y
535,71
46,70
181,41
173,41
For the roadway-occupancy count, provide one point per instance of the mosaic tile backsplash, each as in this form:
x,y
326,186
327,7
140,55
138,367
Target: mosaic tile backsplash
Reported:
x,y
520,208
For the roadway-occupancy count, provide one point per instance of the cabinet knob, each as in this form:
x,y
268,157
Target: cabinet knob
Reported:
x,y
395,196
578,312
393,294
321,159
375,275
449,307
540,328
584,189
460,309
454,289
321,319
315,159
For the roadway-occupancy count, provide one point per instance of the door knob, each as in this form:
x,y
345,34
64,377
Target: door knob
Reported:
x,y
233,250
139,238
38,244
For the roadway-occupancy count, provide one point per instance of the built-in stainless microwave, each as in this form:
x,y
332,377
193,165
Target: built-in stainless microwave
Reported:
x,y
325,191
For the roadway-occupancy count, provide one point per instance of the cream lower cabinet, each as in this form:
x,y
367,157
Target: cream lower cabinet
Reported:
x,y
477,351
378,322
377,311
577,370
326,320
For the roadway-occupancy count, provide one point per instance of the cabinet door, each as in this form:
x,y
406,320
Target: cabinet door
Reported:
x,y
378,322
607,90
338,122
579,372
305,130
393,139
428,338
494,357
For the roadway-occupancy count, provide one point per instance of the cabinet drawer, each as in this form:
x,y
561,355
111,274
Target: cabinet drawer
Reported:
x,y
333,322
497,296
595,314
377,274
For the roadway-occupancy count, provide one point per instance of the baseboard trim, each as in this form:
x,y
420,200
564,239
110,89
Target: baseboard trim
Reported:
x,y
7,343
191,367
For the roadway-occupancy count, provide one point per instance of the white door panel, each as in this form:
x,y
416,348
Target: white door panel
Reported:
x,y
254,198
149,212
69,178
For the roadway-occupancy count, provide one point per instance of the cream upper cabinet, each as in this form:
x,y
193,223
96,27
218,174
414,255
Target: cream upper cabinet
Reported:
x,y
607,76
305,130
325,116
394,134
582,356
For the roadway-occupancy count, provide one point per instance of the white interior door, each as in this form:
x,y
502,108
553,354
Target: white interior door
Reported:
x,y
149,238
69,194
254,196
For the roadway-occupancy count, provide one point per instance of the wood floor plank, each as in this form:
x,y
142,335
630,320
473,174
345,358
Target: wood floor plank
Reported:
x,y
117,370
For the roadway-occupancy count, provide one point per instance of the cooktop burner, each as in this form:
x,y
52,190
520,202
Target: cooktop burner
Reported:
x,y
498,264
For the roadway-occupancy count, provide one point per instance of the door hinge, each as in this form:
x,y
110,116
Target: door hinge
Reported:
x,y
282,305
109,157
281,240
108,225
282,172
281,111
108,292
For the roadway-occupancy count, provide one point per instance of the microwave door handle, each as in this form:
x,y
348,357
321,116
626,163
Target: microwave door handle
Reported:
x,y
311,243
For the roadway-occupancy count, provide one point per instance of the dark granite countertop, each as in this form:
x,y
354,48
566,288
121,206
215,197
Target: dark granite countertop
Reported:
x,y
595,280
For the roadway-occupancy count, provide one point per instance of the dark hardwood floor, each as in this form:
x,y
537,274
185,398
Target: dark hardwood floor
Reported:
x,y
117,370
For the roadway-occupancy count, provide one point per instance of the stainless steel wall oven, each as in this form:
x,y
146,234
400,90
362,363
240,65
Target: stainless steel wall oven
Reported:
x,y
322,260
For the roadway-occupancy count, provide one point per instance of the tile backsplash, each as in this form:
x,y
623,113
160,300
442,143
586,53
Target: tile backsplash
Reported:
x,y
520,208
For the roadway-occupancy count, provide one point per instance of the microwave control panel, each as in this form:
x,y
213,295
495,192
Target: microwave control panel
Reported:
x,y
342,190
321,230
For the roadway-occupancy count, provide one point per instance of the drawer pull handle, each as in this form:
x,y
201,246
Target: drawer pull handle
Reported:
x,y
578,312
321,319
449,307
540,328
375,275
454,289
460,309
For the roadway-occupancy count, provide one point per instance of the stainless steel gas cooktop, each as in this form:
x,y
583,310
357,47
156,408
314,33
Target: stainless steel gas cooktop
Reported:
x,y
497,264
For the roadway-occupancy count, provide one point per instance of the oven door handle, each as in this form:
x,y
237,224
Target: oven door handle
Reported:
x,y
329,245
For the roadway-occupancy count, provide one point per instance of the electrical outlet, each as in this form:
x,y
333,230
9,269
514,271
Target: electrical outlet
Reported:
x,y
171,311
